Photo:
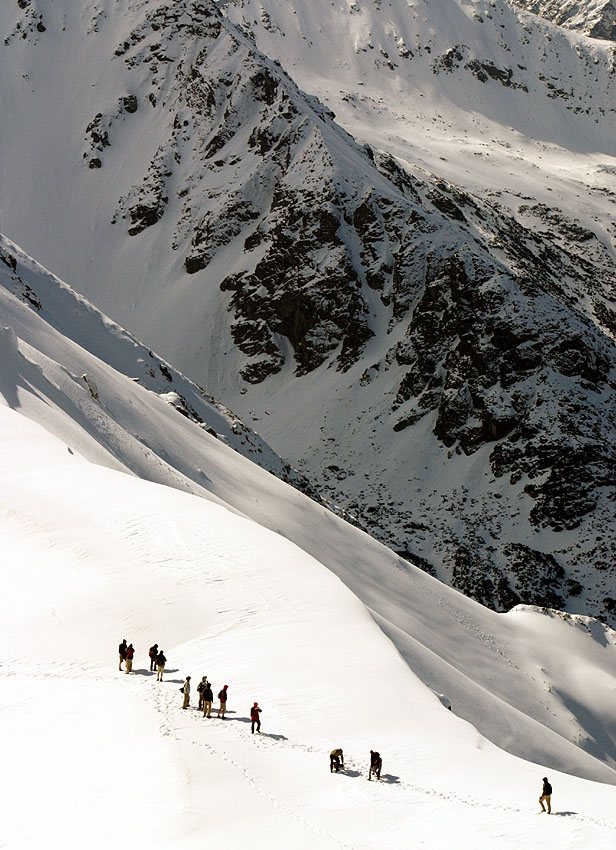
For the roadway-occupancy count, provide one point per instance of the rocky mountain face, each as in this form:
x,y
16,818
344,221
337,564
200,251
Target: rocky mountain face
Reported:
x,y
595,18
440,365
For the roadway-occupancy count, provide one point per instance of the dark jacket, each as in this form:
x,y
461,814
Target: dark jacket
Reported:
x,y
207,694
254,712
161,660
547,789
153,652
122,649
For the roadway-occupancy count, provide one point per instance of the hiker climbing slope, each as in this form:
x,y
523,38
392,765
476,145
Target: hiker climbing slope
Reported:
x,y
255,711
122,652
376,763
160,665
546,796
185,689
130,654
336,760
200,688
208,698
222,696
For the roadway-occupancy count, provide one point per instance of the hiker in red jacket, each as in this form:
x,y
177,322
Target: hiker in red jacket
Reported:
x,y
222,696
255,711
376,763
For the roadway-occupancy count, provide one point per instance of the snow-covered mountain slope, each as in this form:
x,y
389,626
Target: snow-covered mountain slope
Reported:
x,y
91,337
91,555
428,338
240,584
523,680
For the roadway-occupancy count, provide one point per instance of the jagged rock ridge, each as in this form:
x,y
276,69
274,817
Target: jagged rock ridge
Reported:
x,y
595,18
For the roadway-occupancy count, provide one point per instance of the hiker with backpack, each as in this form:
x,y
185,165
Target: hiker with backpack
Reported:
x,y
336,760
222,696
160,666
122,652
376,763
185,689
130,652
153,652
546,796
208,698
255,711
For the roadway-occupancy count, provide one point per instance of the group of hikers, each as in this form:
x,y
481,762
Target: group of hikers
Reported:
x,y
336,762
206,698
157,659
204,688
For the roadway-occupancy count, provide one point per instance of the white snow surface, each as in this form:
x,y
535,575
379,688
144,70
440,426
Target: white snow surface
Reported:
x,y
238,576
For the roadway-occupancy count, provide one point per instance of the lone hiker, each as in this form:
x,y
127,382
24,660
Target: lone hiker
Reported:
x,y
222,696
122,652
130,652
185,689
208,697
376,763
546,796
153,652
160,665
255,711
336,760
200,688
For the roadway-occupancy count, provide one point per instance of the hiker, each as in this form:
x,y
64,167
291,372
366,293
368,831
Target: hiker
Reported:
x,y
153,652
122,651
376,763
255,711
336,760
160,665
130,652
546,796
200,688
208,697
185,689
222,696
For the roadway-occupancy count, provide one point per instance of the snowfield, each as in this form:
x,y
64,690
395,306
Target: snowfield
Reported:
x,y
238,576
93,555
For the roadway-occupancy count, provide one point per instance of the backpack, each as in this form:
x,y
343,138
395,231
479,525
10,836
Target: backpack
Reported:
x,y
375,759
182,689
200,687
222,695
